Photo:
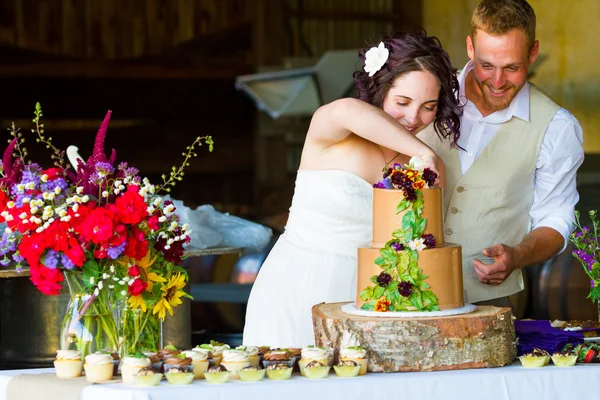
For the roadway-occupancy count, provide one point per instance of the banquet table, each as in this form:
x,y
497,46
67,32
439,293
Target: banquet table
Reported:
x,y
507,383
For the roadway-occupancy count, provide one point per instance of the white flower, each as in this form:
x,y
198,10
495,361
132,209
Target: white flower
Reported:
x,y
105,193
416,163
79,189
417,244
375,58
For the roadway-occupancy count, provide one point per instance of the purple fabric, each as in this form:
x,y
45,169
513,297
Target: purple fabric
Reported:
x,y
542,335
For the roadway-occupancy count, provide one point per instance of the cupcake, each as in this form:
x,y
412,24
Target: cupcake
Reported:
x,y
98,367
131,365
235,360
116,362
251,374
253,353
537,358
316,370
358,355
217,349
169,351
312,353
217,374
68,364
347,368
156,360
179,369
278,356
279,371
147,376
199,362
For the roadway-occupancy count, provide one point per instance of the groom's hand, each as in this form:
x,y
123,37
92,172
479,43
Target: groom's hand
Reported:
x,y
505,262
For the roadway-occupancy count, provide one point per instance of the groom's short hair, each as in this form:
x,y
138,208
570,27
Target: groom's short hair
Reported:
x,y
497,17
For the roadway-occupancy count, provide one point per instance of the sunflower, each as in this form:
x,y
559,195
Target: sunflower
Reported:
x,y
136,302
171,296
144,266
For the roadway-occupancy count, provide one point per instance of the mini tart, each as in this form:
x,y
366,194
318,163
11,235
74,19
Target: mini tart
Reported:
x,y
251,374
564,360
147,377
347,369
179,378
536,359
279,372
217,374
316,370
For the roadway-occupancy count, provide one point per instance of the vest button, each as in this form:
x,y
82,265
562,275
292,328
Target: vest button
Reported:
x,y
454,210
448,231
460,189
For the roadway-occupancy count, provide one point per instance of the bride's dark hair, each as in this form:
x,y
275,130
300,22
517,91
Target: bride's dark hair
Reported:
x,y
415,52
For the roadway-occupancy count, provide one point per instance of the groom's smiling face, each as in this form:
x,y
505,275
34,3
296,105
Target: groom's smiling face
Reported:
x,y
500,65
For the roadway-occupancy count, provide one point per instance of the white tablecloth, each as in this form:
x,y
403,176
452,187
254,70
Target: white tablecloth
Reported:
x,y
507,383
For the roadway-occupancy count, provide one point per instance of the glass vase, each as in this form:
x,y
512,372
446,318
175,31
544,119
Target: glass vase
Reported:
x,y
89,324
141,331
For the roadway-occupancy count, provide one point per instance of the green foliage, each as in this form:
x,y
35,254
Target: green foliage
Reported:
x,y
403,266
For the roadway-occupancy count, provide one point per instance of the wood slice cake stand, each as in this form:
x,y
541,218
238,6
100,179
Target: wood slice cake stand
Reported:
x,y
483,338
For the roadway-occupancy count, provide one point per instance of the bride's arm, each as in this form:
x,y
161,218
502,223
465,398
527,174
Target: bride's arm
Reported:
x,y
335,121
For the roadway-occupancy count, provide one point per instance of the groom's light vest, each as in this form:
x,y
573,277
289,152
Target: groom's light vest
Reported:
x,y
490,203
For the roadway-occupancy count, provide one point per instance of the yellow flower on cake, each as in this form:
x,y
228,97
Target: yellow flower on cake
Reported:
x,y
382,305
418,184
171,296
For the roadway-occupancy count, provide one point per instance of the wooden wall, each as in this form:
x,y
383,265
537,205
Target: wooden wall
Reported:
x,y
166,68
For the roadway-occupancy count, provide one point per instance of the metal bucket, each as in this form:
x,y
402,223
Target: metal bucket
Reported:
x,y
30,324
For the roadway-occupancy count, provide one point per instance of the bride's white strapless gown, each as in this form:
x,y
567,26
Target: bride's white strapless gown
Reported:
x,y
314,261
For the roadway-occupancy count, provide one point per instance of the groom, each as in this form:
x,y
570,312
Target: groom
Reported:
x,y
510,189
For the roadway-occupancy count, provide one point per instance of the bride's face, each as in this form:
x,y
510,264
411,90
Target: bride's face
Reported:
x,y
412,100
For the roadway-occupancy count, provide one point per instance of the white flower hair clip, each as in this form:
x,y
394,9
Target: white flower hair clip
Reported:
x,y
375,58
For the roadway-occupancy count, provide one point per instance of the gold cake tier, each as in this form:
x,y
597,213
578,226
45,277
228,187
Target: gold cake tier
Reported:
x,y
442,265
386,221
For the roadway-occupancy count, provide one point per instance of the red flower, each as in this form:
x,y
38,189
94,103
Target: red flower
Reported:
x,y
21,224
54,173
137,245
153,221
47,280
134,271
137,287
100,252
98,225
130,206
3,200
75,253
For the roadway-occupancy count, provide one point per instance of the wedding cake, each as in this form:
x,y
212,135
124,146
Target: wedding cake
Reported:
x,y
408,266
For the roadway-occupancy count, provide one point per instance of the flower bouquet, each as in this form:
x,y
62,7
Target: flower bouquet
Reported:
x,y
587,249
401,284
102,229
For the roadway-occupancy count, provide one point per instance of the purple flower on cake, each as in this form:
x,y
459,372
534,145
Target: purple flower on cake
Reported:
x,y
384,279
417,244
397,246
429,177
405,289
428,240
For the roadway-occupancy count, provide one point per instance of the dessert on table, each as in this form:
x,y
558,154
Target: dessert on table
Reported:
x,y
68,364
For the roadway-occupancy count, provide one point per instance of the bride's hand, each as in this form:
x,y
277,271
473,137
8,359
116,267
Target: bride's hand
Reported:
x,y
435,163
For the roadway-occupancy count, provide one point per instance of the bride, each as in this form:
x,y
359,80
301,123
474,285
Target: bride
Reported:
x,y
407,83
